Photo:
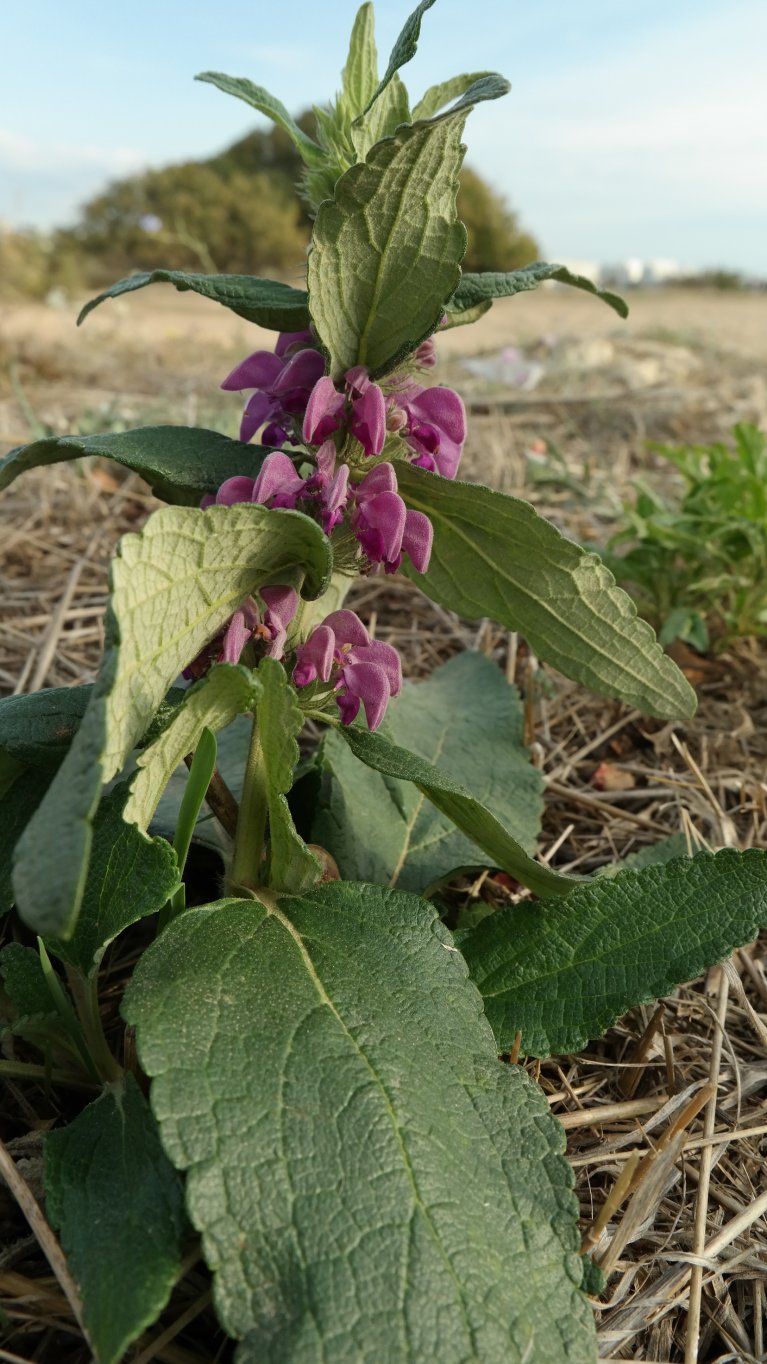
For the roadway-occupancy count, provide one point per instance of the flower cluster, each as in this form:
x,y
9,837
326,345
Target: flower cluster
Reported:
x,y
340,653
270,627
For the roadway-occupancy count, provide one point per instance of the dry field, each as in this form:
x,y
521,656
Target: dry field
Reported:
x,y
684,1085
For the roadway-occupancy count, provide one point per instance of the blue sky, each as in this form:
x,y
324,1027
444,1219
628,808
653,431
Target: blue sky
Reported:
x,y
634,127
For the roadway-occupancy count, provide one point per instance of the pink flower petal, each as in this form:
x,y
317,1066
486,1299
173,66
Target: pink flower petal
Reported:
x,y
257,371
370,683
314,659
417,539
237,489
347,627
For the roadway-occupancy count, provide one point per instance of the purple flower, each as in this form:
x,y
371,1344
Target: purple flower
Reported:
x,y
328,487
282,382
384,526
270,627
360,669
434,426
362,408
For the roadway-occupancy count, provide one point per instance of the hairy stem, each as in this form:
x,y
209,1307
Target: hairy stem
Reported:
x,y
84,991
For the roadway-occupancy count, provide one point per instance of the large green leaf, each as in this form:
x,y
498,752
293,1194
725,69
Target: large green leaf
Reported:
x,y
437,96
474,290
118,1205
495,556
173,587
129,877
267,302
387,248
369,1182
259,98
475,821
404,49
212,703
562,974
180,463
280,719
467,719
17,806
360,74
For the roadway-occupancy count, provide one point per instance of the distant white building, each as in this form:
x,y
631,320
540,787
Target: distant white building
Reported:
x,y
635,273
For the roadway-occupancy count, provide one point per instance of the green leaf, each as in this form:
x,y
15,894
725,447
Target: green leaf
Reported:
x,y
387,248
24,982
404,49
267,302
562,974
469,720
484,288
360,75
212,703
468,814
129,877
437,96
118,1205
495,556
465,318
280,719
180,463
173,588
37,730
260,99
17,806
389,112
368,1181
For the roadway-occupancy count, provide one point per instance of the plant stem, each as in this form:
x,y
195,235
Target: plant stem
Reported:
x,y
29,1070
251,822
85,994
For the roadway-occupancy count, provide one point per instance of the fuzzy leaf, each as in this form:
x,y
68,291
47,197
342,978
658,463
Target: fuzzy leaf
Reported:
x,y
495,556
259,98
266,302
118,1205
37,730
212,703
484,288
389,112
17,806
437,96
368,1181
468,814
173,587
387,248
180,463
292,867
129,877
404,49
24,982
467,719
562,974
360,75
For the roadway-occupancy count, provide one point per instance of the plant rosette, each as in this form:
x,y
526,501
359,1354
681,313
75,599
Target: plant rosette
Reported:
x,y
326,1106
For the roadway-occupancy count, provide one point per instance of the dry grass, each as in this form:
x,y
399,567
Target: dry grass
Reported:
x,y
667,1115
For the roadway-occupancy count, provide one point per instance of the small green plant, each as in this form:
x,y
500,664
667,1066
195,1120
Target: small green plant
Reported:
x,y
697,561
313,1087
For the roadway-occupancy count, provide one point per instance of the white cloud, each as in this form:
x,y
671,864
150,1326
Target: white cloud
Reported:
x,y
22,154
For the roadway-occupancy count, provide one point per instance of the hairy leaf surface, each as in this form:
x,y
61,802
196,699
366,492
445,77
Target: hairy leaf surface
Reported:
x,y
368,1181
387,248
212,703
118,1205
17,806
173,587
180,463
129,877
468,814
466,719
259,98
483,288
292,866
562,974
495,556
405,47
36,730
360,74
266,302
437,96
